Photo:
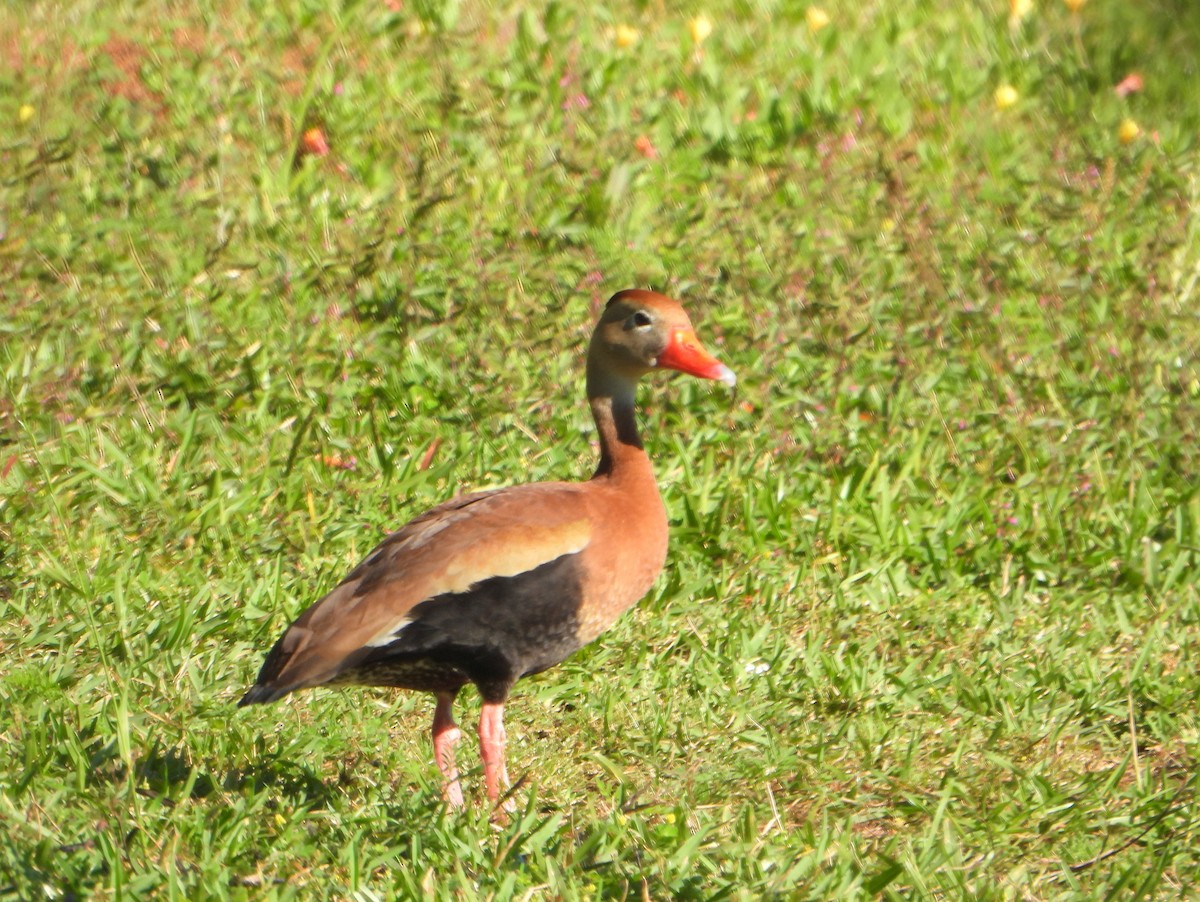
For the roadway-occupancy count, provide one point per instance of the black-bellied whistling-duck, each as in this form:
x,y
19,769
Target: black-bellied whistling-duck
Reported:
x,y
493,586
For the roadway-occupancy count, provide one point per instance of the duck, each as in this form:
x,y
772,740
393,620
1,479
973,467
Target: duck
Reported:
x,y
497,585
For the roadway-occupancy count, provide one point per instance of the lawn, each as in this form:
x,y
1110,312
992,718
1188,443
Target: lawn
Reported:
x,y
278,276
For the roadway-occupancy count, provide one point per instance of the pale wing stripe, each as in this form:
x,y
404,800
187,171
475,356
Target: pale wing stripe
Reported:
x,y
387,636
536,548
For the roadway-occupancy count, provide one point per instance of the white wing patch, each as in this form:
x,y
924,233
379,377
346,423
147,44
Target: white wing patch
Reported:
x,y
388,635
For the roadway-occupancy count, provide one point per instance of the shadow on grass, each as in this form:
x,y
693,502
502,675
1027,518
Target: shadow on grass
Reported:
x,y
43,870
171,776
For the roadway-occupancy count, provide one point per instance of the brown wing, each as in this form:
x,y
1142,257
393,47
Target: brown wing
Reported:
x,y
442,552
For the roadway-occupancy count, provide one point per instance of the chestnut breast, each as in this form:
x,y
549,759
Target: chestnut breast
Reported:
x,y
625,555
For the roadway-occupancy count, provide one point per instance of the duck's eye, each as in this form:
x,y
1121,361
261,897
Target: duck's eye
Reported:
x,y
639,320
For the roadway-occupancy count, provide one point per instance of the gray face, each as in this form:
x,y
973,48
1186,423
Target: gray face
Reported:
x,y
632,336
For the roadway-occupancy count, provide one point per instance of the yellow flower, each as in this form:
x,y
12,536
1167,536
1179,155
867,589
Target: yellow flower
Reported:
x,y
1074,5
1006,96
817,18
625,36
1128,131
701,28
25,113
1018,10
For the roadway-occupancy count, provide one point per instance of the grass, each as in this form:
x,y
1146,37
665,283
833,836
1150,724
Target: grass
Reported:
x,y
929,625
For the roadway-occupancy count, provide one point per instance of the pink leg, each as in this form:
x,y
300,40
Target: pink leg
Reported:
x,y
491,746
445,736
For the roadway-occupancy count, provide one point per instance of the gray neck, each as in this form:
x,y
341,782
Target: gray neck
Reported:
x,y
611,397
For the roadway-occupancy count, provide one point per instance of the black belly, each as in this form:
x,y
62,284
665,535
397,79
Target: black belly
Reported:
x,y
496,632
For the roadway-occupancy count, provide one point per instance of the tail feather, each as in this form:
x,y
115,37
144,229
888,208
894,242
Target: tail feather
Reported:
x,y
265,688
261,695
